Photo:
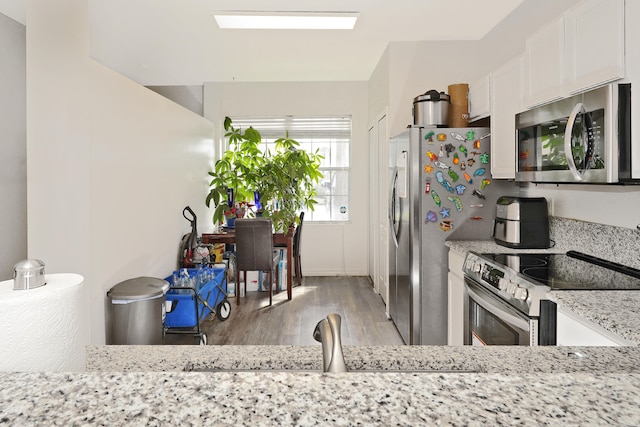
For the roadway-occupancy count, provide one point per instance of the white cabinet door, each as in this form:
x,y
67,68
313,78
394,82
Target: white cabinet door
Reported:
x,y
455,295
594,44
573,330
479,99
545,52
506,101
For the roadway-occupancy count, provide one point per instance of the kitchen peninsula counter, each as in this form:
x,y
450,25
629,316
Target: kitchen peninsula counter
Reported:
x,y
146,385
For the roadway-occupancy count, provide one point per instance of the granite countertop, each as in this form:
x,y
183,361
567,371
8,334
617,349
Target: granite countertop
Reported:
x,y
615,311
145,385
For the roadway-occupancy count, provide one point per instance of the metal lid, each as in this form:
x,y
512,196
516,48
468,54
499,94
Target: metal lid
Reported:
x,y
28,267
431,95
140,288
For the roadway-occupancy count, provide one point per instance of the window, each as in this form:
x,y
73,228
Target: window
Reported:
x,y
331,136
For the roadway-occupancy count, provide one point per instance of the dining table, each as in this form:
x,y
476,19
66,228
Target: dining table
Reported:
x,y
228,237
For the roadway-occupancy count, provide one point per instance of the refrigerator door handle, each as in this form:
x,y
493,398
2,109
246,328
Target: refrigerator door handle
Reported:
x,y
392,207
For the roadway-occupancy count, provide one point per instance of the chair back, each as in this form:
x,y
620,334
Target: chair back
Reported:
x,y
254,244
297,236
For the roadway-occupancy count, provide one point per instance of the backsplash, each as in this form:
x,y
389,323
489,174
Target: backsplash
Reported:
x,y
612,243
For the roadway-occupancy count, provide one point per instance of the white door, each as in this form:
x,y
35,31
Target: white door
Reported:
x,y
383,208
374,266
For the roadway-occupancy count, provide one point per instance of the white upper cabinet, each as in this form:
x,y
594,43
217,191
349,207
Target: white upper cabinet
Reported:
x,y
479,99
507,99
595,36
582,49
545,50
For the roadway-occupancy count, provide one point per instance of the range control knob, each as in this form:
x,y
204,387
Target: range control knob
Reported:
x,y
521,293
502,283
511,288
476,267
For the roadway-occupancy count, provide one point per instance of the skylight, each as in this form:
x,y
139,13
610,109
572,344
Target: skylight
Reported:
x,y
286,20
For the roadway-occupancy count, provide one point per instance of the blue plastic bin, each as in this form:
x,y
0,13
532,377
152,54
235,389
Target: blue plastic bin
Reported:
x,y
184,314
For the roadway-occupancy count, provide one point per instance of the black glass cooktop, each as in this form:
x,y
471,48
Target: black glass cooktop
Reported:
x,y
571,271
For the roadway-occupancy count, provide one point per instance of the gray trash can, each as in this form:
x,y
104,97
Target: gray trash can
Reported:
x,y
138,310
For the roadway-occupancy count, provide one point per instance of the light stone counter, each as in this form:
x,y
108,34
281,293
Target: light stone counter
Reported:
x,y
615,311
517,386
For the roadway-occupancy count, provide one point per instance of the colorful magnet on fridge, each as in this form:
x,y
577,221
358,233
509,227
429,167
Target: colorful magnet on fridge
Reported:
x,y
484,183
454,176
440,177
449,148
470,162
476,205
477,193
427,186
456,201
480,172
456,159
428,169
460,189
484,158
463,166
467,177
448,186
429,137
459,137
446,225
436,198
476,144
432,156
476,218
441,165
445,213
463,150
441,137
475,153
431,217
471,135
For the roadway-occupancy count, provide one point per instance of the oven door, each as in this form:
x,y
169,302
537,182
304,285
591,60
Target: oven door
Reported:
x,y
490,321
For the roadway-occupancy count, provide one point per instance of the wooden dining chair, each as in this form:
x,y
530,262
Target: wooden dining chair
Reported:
x,y
254,251
295,252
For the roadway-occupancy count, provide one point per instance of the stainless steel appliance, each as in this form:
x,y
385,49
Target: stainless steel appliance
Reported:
x,y
506,301
521,222
431,109
440,188
582,139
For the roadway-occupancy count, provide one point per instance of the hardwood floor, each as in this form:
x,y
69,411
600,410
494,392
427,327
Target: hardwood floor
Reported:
x,y
253,322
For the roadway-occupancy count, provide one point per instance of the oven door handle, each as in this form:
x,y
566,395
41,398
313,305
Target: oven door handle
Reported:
x,y
489,304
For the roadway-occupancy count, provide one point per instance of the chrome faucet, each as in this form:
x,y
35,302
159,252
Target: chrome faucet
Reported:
x,y
327,332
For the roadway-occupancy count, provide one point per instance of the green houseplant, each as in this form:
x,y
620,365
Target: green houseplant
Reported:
x,y
284,179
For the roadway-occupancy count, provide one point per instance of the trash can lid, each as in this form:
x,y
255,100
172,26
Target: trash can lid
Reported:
x,y
140,288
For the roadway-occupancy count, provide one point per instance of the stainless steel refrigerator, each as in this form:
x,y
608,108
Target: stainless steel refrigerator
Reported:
x,y
440,189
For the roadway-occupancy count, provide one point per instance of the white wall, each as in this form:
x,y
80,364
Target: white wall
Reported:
x,y
189,97
13,146
327,249
111,164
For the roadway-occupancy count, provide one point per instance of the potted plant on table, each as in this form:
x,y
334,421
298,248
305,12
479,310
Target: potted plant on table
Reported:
x,y
234,174
281,182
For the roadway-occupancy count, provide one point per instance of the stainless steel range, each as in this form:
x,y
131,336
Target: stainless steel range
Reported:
x,y
506,303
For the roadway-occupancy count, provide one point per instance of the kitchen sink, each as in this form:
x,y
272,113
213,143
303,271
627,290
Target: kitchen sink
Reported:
x,y
319,371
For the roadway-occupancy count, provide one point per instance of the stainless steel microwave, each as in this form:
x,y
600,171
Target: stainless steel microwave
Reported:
x,y
582,139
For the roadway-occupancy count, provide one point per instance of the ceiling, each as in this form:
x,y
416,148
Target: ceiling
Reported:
x,y
177,42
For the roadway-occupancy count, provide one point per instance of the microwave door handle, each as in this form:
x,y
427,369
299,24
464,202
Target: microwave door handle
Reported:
x,y
568,152
496,310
